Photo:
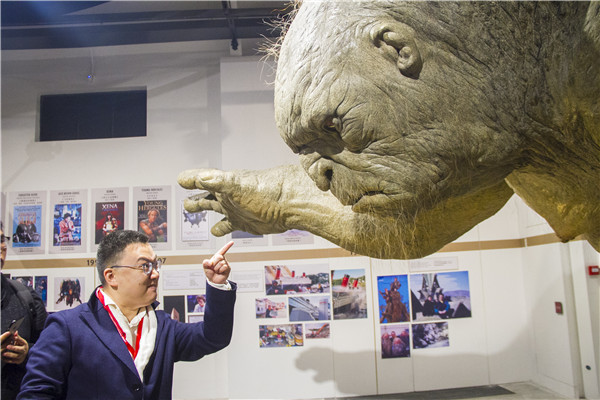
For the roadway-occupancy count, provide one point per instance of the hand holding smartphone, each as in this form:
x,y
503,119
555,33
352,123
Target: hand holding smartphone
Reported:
x,y
14,325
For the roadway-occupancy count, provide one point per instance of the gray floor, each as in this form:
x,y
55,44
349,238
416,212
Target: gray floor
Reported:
x,y
511,391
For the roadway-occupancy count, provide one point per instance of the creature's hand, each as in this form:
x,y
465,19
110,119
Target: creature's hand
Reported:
x,y
16,351
251,201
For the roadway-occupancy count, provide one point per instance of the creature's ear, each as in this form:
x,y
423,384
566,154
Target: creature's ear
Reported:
x,y
397,39
592,23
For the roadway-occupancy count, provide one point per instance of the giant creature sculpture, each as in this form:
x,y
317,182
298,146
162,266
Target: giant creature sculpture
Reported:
x,y
414,121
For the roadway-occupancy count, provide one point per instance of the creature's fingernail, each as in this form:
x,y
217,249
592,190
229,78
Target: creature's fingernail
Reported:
x,y
206,175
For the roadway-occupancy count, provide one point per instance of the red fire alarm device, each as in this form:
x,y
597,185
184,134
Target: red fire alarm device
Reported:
x,y
558,307
594,270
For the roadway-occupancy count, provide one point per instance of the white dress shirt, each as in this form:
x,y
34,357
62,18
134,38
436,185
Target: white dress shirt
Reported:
x,y
148,333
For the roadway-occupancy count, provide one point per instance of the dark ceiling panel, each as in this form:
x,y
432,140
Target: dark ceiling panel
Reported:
x,y
64,24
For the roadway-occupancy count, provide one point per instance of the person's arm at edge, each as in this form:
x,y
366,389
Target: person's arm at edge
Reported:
x,y
40,317
49,362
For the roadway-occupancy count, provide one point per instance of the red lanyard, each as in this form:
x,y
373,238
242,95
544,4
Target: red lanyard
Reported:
x,y
132,351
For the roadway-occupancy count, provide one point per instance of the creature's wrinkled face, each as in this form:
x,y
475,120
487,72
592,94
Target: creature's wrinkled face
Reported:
x,y
385,118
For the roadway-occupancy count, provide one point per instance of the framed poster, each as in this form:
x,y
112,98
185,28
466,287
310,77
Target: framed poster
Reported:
x,y
194,227
26,211
68,292
110,212
68,221
152,214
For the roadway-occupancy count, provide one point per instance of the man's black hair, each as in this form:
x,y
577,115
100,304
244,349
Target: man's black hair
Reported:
x,y
111,247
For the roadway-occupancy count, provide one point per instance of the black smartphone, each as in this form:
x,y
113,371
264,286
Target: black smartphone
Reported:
x,y
14,325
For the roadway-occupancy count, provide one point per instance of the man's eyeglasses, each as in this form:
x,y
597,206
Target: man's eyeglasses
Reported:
x,y
146,267
5,238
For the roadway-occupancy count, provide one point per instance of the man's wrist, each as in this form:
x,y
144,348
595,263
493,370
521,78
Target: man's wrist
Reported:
x,y
221,286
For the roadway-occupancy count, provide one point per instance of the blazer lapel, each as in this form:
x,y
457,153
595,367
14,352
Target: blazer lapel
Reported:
x,y
102,326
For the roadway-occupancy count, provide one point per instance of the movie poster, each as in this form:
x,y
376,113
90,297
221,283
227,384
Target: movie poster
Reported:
x,y
394,303
349,294
110,212
152,214
68,292
67,224
110,217
194,227
68,221
442,295
28,226
26,212
395,341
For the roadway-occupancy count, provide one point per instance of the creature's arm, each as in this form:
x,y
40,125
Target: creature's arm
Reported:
x,y
284,198
268,201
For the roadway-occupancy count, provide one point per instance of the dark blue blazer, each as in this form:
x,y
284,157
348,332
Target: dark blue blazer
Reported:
x,y
80,354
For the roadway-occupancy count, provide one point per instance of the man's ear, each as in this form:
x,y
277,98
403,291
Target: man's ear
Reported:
x,y
110,278
397,41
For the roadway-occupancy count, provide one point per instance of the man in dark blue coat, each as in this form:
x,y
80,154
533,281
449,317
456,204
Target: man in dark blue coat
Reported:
x,y
117,346
19,302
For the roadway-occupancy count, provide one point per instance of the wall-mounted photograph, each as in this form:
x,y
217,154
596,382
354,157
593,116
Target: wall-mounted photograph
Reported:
x,y
309,308
285,335
442,295
349,293
394,303
268,308
395,341
296,279
430,335
317,330
196,303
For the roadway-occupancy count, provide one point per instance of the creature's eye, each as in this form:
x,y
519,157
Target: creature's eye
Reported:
x,y
332,125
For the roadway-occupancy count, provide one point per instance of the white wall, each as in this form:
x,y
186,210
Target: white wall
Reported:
x,y
206,109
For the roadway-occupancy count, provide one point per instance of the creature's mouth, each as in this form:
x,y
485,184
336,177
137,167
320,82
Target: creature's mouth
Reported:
x,y
371,201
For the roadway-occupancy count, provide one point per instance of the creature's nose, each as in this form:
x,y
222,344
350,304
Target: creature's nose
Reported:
x,y
321,172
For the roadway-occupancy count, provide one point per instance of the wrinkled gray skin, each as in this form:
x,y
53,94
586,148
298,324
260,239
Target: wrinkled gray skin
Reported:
x,y
415,121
